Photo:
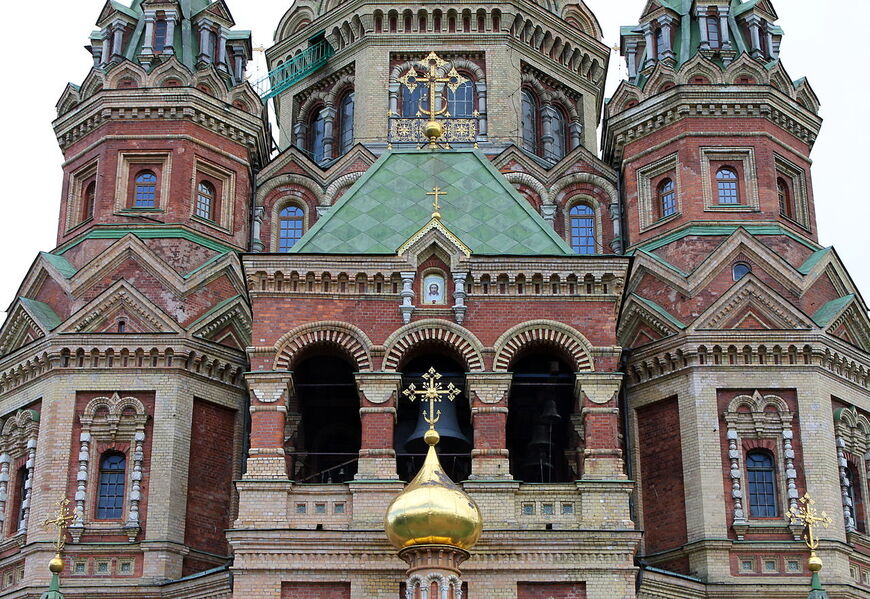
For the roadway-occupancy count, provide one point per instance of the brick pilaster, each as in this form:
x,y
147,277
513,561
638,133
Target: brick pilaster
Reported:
x,y
596,395
488,395
269,396
379,392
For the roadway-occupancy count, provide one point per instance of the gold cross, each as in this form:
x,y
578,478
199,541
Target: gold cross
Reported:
x,y
62,522
432,392
809,517
431,79
436,191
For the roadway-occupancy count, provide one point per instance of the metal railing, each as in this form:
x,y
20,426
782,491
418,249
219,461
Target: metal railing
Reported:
x,y
294,70
323,468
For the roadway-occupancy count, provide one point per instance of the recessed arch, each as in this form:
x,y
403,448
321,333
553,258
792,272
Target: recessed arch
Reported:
x,y
442,332
350,340
543,332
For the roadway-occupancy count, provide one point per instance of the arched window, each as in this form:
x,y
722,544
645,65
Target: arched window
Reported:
x,y
110,499
414,101
160,29
762,484
89,198
740,270
290,227
205,200
460,103
713,34
316,136
726,182
667,198
854,490
20,495
583,229
530,121
146,190
661,47
345,122
559,130
785,205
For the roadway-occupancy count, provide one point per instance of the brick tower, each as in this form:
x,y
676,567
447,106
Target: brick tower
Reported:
x,y
747,372
120,376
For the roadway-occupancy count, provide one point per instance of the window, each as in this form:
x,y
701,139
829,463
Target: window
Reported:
x,y
530,121
740,270
110,502
21,491
559,128
460,103
667,198
726,182
345,122
146,190
316,136
854,491
205,200
160,36
713,35
785,205
762,484
88,200
583,229
290,227
413,101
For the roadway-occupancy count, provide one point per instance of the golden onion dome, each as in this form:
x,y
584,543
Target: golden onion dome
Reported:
x,y
433,510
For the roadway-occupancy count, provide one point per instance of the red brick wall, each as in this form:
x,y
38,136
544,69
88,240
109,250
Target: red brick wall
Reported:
x,y
662,484
551,590
209,484
315,590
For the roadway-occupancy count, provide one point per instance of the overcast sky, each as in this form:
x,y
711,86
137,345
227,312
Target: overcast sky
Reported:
x,y
44,51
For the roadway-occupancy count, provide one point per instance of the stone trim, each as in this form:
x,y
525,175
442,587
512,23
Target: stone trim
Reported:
x,y
454,336
348,338
747,179
547,332
647,193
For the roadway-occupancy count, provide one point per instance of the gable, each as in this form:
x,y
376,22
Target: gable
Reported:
x,y
120,301
392,201
643,321
844,318
28,321
229,323
752,305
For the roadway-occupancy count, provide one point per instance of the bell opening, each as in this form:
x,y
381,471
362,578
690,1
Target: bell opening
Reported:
x,y
453,425
543,445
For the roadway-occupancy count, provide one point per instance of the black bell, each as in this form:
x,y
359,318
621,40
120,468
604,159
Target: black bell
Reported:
x,y
453,440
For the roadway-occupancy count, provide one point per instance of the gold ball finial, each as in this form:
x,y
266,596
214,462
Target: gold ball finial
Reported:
x,y
431,437
55,566
433,130
814,563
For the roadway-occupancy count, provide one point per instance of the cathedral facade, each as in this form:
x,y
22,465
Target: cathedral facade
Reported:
x,y
644,359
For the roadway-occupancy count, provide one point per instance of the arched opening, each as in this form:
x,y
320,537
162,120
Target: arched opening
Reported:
x,y
726,184
454,423
89,200
786,208
325,446
582,223
291,225
541,441
530,121
667,198
761,475
317,135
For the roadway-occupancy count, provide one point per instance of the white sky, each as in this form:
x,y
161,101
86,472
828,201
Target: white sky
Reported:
x,y
44,53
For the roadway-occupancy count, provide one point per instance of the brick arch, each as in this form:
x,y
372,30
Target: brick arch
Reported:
x,y
543,332
442,332
351,340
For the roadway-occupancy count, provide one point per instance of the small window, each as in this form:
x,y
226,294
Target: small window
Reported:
x,y
345,122
785,206
726,183
530,121
146,190
713,34
460,103
205,195
583,229
21,490
122,326
160,28
740,270
110,502
667,198
290,227
89,198
762,484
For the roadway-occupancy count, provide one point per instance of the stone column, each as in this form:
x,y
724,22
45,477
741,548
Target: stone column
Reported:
x,y
768,32
754,22
407,307
205,50
106,55
459,295
616,245
596,395
269,395
328,113
701,14
148,40
118,40
724,32
300,132
482,125
171,18
547,115
650,45
379,396
631,58
488,395
666,22
222,62
575,130
256,229
394,99
548,212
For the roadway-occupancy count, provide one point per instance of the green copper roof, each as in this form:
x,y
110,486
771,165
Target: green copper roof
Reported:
x,y
814,259
660,311
60,263
389,204
827,313
43,313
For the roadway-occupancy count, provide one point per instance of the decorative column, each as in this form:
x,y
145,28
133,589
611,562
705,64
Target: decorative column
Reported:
x,y
488,395
616,218
132,526
379,392
548,213
28,485
482,125
5,460
548,113
575,132
596,395
459,295
106,55
768,31
848,508
222,62
328,113
407,307
790,470
754,22
394,99
631,58
239,62
148,38
701,15
666,22
269,392
171,18
257,229
300,134
77,527
740,523
205,49
724,30
118,41
650,45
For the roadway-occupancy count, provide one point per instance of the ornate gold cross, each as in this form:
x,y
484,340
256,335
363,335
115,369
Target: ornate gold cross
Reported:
x,y
62,521
431,79
809,517
432,392
436,191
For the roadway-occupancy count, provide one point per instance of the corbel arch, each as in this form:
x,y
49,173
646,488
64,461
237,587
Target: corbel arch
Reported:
x,y
126,70
339,86
168,70
349,339
289,179
432,330
339,184
560,97
532,182
545,332
603,184
316,98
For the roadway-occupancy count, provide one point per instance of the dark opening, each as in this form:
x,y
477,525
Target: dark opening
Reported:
x,y
540,435
328,440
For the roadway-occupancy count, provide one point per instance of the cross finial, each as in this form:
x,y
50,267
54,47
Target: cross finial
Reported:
x,y
431,79
432,392
807,516
62,521
436,207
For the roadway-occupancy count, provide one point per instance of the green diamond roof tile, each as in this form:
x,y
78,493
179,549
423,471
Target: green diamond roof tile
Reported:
x,y
389,204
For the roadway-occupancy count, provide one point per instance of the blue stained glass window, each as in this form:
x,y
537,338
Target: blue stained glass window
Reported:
x,y
762,485
110,501
146,190
583,229
290,229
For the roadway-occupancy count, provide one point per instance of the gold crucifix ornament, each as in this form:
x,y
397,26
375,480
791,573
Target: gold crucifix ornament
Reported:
x,y
807,516
64,517
431,79
436,207
432,392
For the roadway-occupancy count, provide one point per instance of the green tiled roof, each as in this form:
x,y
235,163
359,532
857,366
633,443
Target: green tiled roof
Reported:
x,y
389,204
814,259
826,314
43,313
60,263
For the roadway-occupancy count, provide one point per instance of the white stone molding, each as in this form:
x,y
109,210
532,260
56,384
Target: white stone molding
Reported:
x,y
347,337
28,485
734,455
4,491
547,332
135,496
17,441
78,525
407,306
459,295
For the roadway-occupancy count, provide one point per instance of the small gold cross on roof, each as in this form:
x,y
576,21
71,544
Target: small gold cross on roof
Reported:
x,y
436,191
62,521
